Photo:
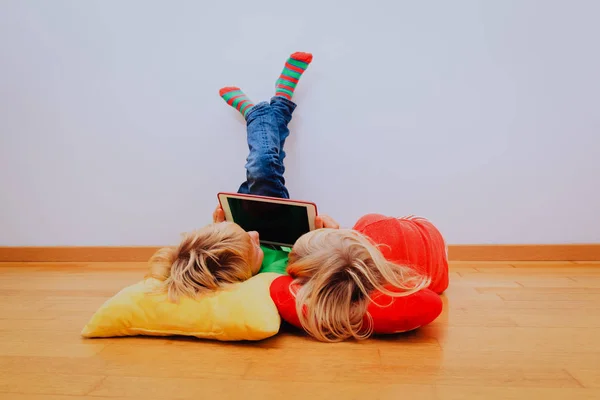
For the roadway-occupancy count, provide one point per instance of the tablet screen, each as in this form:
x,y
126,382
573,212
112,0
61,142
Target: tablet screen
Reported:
x,y
275,223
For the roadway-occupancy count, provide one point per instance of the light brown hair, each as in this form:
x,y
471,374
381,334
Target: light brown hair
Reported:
x,y
337,270
205,260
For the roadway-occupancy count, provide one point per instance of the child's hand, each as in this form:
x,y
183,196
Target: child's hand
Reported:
x,y
325,221
218,215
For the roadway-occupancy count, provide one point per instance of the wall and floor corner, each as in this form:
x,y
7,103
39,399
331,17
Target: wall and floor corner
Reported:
x,y
482,117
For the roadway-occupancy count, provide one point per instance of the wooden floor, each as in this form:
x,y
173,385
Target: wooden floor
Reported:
x,y
509,331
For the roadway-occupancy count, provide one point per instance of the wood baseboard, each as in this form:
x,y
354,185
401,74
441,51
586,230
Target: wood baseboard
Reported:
x,y
551,252
77,254
525,252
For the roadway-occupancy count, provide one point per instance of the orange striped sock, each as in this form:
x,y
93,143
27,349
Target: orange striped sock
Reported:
x,y
236,99
293,70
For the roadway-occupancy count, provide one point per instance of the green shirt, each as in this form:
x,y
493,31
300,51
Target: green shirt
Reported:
x,y
276,259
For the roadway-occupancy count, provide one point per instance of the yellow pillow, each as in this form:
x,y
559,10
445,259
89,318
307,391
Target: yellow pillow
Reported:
x,y
243,311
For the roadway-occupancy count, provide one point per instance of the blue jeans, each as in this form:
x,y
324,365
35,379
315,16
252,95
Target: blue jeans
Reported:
x,y
267,128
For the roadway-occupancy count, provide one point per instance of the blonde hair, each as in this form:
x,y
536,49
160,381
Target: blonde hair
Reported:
x,y
205,260
337,270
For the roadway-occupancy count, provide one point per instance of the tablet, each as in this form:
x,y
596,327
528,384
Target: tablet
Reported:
x,y
277,221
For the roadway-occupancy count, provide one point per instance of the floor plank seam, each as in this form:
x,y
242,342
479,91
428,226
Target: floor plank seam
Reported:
x,y
96,386
574,378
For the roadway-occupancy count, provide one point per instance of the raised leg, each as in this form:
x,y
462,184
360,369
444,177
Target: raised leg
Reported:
x,y
282,109
281,103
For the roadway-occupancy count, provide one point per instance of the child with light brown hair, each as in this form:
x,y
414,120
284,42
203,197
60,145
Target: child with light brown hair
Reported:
x,y
223,253
337,269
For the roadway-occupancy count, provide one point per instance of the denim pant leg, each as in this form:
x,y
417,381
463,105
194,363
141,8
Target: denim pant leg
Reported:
x,y
264,167
283,109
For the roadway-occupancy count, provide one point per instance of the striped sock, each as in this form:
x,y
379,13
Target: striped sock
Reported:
x,y
236,99
293,70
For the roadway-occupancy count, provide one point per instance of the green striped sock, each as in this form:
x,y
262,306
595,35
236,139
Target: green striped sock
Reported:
x,y
236,99
293,70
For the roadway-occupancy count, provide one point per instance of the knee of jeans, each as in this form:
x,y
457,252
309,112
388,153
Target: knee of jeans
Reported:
x,y
263,165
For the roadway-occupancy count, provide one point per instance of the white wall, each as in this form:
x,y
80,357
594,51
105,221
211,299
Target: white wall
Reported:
x,y
481,115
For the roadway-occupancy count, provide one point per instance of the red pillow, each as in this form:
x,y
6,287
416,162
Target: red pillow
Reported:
x,y
390,314
414,242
